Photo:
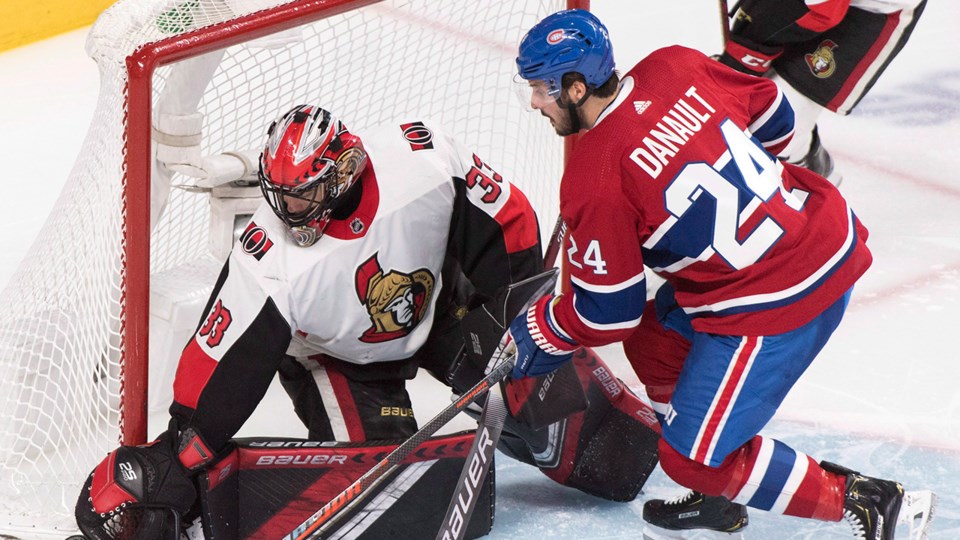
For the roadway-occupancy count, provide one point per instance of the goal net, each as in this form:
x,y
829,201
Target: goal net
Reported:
x,y
166,176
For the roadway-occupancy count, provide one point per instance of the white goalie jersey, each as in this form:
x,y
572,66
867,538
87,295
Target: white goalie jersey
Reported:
x,y
367,290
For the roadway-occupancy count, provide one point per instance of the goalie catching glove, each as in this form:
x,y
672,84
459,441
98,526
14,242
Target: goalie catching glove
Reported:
x,y
540,345
142,491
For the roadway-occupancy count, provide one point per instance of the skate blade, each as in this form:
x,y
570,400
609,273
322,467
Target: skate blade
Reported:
x,y
652,532
917,511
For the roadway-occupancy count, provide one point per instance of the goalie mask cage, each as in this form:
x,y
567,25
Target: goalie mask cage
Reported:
x,y
75,321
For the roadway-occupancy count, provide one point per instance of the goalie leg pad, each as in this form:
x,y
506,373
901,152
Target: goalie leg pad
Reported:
x,y
588,449
540,401
268,486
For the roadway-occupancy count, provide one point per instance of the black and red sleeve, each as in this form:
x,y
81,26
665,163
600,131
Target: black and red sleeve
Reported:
x,y
215,394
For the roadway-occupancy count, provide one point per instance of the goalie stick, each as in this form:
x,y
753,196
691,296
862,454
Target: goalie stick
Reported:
x,y
475,468
724,23
314,526
322,520
556,241
480,458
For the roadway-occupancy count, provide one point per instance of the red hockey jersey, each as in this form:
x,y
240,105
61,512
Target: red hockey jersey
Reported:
x,y
678,174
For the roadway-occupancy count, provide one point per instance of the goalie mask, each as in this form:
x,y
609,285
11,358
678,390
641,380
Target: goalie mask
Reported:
x,y
309,162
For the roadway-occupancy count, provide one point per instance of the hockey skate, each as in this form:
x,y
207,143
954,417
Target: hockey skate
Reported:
x,y
819,161
873,507
694,516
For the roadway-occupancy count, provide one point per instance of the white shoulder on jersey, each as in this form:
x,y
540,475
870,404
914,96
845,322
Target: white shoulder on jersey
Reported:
x,y
486,188
414,135
415,148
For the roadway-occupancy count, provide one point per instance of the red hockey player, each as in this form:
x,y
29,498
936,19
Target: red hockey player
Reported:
x,y
676,172
825,55
354,273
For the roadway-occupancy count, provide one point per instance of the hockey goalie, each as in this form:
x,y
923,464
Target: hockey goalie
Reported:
x,y
371,256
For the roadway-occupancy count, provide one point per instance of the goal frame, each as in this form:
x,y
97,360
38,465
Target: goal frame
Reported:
x,y
135,277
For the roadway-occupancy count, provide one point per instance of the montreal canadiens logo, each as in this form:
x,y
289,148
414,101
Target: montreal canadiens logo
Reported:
x,y
254,241
554,37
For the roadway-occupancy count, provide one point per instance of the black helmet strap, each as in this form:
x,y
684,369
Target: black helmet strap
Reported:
x,y
572,107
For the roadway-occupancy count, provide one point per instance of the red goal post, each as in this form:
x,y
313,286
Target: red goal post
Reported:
x,y
131,239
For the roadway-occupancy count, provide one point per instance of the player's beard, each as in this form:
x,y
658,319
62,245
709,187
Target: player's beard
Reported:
x,y
563,122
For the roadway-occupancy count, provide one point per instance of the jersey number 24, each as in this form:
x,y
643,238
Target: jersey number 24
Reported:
x,y
754,178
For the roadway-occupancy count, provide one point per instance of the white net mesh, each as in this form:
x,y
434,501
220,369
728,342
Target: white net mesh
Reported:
x,y
63,312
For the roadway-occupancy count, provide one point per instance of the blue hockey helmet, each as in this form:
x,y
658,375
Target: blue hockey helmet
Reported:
x,y
567,41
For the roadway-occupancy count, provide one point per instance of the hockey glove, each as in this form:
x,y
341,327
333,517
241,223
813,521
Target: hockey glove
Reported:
x,y
137,492
748,57
540,346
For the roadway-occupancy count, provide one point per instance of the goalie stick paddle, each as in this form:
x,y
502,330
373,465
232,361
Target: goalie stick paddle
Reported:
x,y
480,458
478,463
322,520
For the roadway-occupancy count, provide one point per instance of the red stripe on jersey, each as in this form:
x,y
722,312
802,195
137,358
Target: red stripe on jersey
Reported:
x,y
345,401
893,22
728,389
519,224
824,16
194,370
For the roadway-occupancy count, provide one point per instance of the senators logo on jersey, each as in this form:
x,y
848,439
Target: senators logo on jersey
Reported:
x,y
254,241
418,135
396,301
821,61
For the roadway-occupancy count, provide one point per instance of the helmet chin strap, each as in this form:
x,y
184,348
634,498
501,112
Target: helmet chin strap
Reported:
x,y
573,107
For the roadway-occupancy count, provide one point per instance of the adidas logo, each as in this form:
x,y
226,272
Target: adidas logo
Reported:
x,y
641,106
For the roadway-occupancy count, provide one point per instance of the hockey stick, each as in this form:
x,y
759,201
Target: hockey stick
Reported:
x,y
321,521
480,458
475,469
724,23
556,241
